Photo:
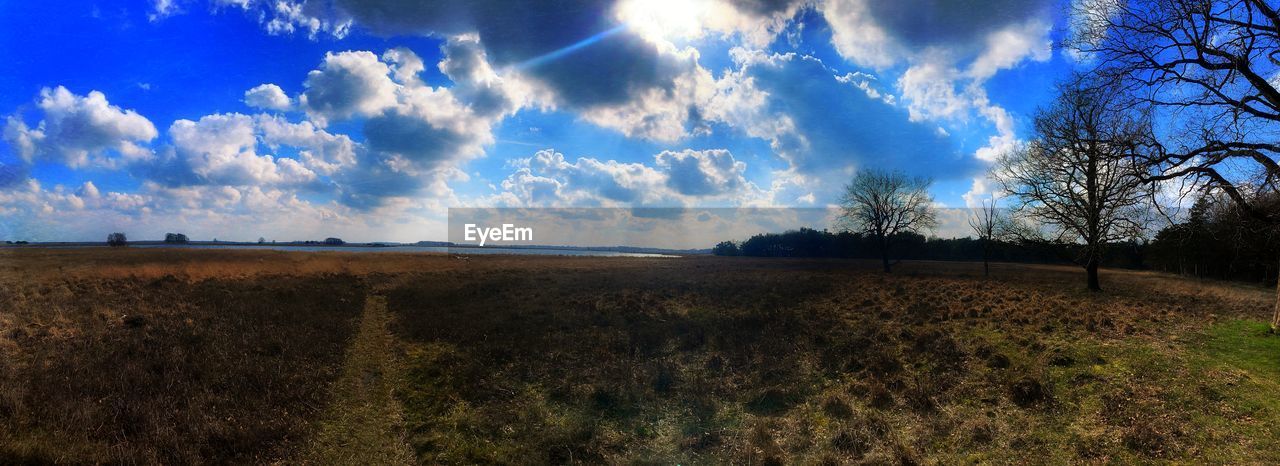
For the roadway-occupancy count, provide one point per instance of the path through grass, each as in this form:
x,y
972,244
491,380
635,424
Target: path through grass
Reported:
x,y
365,423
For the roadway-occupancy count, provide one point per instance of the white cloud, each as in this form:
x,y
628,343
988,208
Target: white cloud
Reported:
x,y
322,152
348,84
80,131
667,22
929,90
702,173
665,115
267,97
161,9
857,36
866,82
479,85
1010,46
220,149
677,178
741,103
404,64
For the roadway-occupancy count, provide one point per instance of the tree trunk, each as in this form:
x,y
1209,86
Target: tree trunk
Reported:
x,y
884,252
1092,268
986,257
1275,318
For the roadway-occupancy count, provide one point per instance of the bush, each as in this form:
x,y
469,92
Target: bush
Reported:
x,y
176,238
334,241
117,239
725,248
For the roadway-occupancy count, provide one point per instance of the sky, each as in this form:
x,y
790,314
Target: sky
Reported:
x,y
368,120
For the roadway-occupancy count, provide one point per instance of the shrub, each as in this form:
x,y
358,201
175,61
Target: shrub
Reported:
x,y
726,248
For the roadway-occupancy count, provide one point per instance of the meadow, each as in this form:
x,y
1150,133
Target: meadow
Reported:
x,y
215,356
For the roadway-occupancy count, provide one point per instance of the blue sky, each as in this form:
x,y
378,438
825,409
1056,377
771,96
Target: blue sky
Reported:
x,y
291,119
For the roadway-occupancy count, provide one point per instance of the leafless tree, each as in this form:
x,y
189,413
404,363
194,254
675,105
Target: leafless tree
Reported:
x,y
1211,65
884,204
1079,175
984,221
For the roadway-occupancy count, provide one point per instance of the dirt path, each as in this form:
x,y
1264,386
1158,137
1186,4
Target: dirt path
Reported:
x,y
365,423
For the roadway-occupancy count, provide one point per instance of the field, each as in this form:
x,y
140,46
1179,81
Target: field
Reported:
x,y
181,356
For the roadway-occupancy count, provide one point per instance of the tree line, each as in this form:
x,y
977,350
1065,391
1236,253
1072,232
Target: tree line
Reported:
x,y
808,242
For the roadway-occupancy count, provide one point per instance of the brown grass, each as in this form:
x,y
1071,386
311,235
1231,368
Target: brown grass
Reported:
x,y
180,356
110,367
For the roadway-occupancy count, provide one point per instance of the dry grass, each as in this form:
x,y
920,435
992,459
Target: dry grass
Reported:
x,y
113,368
589,360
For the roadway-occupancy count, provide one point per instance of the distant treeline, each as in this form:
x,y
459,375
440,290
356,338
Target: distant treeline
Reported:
x,y
1215,242
807,242
1218,240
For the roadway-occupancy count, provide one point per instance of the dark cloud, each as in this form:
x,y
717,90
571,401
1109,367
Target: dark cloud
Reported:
x,y
475,82
702,173
414,138
374,181
923,23
764,8
612,70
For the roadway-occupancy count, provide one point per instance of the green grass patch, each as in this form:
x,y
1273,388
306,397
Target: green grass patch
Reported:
x,y
1247,345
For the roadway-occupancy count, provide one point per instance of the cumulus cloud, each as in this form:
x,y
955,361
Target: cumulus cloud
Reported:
x,y
676,178
80,131
882,34
478,84
429,127
415,135
352,83
220,149
322,152
755,22
702,173
267,97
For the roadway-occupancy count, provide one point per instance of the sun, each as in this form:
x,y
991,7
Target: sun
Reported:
x,y
664,20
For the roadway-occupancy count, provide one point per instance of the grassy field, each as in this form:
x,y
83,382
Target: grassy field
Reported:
x,y
181,356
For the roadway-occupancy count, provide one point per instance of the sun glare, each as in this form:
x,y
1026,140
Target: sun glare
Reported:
x,y
664,20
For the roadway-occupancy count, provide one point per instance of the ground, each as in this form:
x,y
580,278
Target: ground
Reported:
x,y
179,356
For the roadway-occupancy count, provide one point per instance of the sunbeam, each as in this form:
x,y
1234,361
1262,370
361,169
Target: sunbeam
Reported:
x,y
569,49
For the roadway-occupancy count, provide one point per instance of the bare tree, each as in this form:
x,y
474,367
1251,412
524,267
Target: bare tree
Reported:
x,y
1211,66
884,204
984,221
1079,174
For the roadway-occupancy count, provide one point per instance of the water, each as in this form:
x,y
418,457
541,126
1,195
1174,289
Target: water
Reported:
x,y
435,249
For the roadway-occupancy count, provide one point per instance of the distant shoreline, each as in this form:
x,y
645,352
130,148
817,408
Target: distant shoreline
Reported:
x,y
424,246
